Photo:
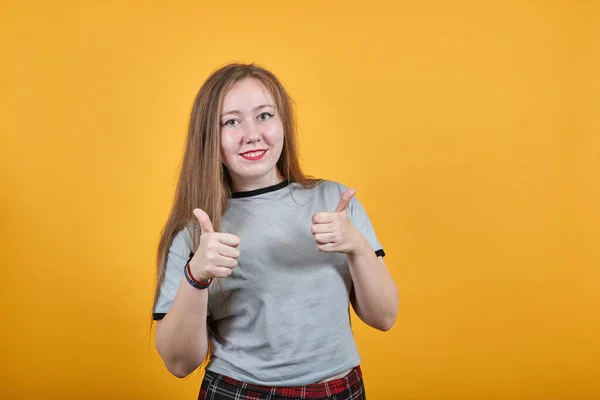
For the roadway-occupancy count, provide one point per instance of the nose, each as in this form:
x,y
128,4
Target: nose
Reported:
x,y
252,133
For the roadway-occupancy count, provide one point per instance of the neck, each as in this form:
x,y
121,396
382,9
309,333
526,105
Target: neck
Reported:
x,y
240,184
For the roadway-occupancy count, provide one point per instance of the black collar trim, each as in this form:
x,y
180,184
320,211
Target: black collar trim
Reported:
x,y
255,192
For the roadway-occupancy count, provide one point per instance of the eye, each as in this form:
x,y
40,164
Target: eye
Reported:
x,y
231,122
264,116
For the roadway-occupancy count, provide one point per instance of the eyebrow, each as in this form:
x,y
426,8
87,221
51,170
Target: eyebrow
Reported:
x,y
255,109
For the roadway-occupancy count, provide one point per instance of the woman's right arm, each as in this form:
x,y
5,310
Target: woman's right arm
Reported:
x,y
181,336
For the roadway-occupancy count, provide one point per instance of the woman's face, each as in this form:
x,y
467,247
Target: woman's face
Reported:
x,y
251,135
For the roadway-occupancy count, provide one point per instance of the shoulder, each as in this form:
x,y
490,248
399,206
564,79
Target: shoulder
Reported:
x,y
330,187
334,190
182,241
327,194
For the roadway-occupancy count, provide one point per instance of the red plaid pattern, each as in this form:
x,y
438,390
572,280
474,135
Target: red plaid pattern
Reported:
x,y
221,387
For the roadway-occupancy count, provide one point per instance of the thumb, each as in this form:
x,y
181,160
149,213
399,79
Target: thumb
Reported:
x,y
345,200
204,221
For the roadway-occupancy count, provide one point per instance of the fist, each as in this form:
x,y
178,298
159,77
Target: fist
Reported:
x,y
217,252
333,231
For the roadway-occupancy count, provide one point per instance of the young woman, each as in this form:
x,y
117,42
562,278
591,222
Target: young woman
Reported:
x,y
289,253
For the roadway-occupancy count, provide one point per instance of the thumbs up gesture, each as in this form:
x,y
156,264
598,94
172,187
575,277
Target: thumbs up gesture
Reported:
x,y
333,231
217,253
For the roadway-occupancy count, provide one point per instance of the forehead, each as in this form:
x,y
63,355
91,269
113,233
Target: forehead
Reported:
x,y
246,93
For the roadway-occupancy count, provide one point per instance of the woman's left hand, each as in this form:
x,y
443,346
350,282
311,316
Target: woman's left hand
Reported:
x,y
333,231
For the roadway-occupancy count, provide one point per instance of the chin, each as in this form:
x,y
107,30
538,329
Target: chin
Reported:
x,y
256,173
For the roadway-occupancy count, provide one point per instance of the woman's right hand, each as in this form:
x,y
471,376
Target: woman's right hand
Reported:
x,y
217,254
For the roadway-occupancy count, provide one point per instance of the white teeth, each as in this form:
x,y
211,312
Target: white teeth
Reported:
x,y
253,154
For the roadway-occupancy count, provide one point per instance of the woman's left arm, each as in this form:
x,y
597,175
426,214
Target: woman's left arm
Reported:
x,y
375,295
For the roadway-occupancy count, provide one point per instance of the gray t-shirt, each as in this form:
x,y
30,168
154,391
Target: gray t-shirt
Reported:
x,y
282,317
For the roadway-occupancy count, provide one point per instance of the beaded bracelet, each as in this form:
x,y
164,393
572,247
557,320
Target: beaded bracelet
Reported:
x,y
192,281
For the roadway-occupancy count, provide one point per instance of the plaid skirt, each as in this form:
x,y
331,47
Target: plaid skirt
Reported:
x,y
221,387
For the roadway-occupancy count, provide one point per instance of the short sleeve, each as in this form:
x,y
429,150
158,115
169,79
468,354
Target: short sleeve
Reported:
x,y
179,254
360,219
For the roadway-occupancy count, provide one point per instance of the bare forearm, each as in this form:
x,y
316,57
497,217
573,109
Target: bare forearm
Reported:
x,y
181,336
375,292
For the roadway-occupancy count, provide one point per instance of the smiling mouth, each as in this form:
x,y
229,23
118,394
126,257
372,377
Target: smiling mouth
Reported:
x,y
254,155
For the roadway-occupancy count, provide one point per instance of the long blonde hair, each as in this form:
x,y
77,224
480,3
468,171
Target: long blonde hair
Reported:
x,y
203,180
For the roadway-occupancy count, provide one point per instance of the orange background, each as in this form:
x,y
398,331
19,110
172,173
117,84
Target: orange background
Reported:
x,y
471,131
